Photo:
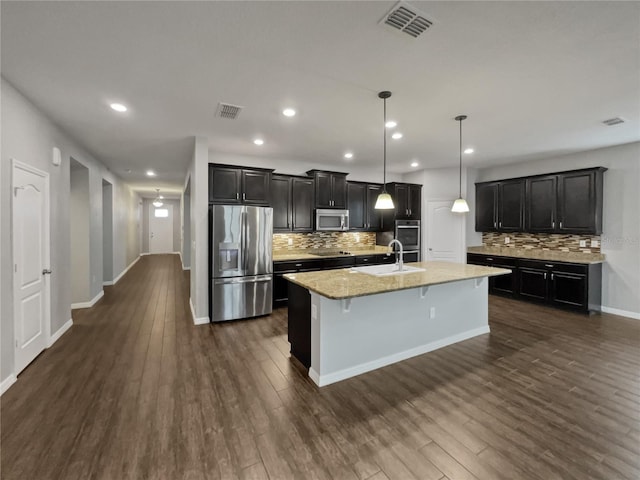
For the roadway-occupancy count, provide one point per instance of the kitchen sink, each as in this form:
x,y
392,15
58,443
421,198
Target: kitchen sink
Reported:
x,y
385,270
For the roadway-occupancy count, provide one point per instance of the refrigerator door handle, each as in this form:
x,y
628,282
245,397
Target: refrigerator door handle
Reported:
x,y
237,280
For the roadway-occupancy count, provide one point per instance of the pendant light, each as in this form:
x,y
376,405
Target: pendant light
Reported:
x,y
384,201
460,205
158,201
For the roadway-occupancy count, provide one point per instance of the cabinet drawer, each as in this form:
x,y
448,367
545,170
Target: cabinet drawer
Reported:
x,y
555,266
502,262
345,262
297,266
367,260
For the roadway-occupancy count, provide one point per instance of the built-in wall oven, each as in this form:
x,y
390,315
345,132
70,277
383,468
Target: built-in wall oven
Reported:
x,y
408,232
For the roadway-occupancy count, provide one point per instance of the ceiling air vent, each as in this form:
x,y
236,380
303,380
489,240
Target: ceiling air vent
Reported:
x,y
407,19
226,110
613,121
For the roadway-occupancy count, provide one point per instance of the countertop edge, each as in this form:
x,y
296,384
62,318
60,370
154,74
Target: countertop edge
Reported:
x,y
500,271
480,251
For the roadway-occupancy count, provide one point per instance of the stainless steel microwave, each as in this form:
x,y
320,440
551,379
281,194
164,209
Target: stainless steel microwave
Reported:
x,y
332,220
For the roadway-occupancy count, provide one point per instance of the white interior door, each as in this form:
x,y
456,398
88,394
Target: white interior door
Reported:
x,y
30,217
445,231
161,229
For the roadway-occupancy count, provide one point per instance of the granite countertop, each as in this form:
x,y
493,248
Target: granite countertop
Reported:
x,y
347,283
284,255
536,254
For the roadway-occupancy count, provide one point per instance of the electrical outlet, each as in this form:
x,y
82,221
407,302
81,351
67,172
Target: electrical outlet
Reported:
x,y
595,243
357,238
583,243
507,240
289,241
432,312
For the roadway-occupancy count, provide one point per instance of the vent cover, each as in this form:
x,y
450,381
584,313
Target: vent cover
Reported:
x,y
407,19
226,110
613,121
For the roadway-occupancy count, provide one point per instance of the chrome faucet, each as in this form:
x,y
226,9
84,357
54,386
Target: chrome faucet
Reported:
x,y
399,262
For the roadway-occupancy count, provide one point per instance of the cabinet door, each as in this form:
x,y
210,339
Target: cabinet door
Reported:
x,y
401,201
373,216
541,204
224,185
486,203
339,191
511,206
256,187
281,202
577,202
532,284
503,284
302,204
356,200
569,290
280,290
415,202
323,190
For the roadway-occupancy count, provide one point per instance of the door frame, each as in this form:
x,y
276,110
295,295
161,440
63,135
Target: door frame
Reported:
x,y
16,164
463,230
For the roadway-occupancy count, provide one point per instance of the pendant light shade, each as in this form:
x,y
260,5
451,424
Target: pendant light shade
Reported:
x,y
460,205
158,201
384,201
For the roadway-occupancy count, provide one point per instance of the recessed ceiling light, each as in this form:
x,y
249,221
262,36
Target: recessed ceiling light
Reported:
x,y
288,112
258,141
414,164
468,150
151,173
348,155
396,136
391,124
118,107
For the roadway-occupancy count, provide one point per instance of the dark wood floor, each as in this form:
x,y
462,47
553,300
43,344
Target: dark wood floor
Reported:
x,y
135,391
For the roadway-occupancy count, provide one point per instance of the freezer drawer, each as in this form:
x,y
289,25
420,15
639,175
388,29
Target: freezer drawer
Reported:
x,y
241,297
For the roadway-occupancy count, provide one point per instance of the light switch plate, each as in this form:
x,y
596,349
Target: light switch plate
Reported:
x,y
432,312
289,241
507,240
595,243
583,243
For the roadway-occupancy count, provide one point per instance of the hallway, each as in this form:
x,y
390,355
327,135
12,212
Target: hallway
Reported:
x,y
134,391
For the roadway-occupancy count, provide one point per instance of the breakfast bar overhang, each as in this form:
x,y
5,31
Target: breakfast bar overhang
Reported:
x,y
343,323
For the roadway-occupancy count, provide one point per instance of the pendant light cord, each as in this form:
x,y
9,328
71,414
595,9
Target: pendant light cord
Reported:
x,y
460,176
384,155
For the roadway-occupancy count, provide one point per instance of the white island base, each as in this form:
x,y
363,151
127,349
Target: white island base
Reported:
x,y
356,335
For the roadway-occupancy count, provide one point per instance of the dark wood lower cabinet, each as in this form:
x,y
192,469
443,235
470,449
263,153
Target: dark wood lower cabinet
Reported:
x,y
573,286
299,323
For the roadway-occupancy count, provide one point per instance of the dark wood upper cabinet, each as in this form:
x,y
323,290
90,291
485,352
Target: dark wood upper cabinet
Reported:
x,y
281,202
563,202
580,202
356,201
415,202
236,185
224,185
292,202
361,200
302,203
511,206
407,203
540,204
486,207
330,188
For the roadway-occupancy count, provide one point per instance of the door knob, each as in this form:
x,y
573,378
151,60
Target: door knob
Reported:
x,y
46,271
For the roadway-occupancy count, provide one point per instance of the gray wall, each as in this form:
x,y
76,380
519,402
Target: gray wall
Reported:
x,y
175,204
79,232
621,217
186,227
29,136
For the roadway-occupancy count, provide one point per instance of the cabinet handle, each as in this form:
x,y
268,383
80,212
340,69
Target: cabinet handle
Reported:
x,y
560,225
500,224
489,259
553,224
237,196
495,224
552,276
545,275
547,265
244,196
299,265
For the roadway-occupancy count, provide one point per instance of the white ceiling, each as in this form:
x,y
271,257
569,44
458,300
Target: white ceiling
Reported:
x,y
535,78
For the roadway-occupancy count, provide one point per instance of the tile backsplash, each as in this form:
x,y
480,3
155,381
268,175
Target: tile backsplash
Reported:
x,y
542,241
322,240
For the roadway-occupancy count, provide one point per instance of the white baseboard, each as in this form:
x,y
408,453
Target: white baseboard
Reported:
x,y
322,380
89,304
108,283
7,382
186,268
54,338
622,313
196,320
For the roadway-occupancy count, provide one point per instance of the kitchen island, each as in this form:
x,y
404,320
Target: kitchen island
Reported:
x,y
345,322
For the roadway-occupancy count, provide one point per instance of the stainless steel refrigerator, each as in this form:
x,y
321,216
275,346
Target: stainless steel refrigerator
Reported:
x,y
241,262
